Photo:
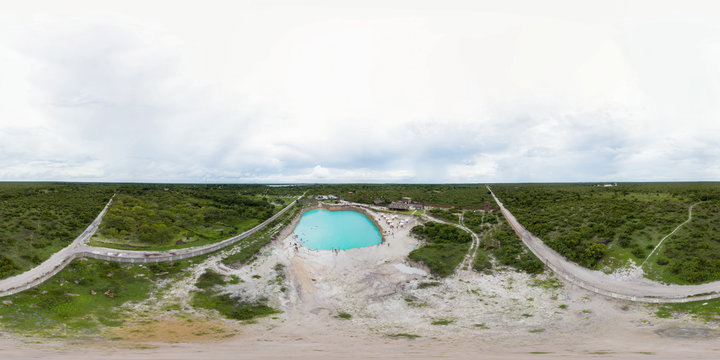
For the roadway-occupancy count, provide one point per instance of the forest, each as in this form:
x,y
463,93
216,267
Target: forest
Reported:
x,y
459,195
39,219
168,216
605,227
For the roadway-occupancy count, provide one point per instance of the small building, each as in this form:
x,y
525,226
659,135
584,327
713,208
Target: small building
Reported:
x,y
398,205
406,200
377,202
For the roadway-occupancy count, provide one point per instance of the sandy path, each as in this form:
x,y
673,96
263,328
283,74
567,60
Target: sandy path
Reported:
x,y
634,289
670,234
79,248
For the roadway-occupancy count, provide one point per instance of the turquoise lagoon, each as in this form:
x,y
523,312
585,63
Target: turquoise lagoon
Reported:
x,y
328,230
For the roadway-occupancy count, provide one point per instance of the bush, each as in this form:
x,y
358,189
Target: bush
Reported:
x,y
442,259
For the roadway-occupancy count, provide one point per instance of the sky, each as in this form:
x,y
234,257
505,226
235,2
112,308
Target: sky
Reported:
x,y
359,91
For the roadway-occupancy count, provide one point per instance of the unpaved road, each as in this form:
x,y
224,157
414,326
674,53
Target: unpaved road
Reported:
x,y
80,248
634,289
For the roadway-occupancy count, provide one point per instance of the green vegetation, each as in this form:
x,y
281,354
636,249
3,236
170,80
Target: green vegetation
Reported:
x,y
442,322
509,250
446,247
459,195
162,217
708,310
83,297
344,315
447,215
252,244
692,254
441,233
475,221
232,307
39,219
427,284
481,262
606,227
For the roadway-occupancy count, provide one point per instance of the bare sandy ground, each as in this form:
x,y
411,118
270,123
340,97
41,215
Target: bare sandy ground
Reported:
x,y
488,316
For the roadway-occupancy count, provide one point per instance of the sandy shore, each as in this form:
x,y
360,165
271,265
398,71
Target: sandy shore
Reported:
x,y
504,315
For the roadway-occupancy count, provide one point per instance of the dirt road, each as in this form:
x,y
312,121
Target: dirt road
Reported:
x,y
79,248
634,289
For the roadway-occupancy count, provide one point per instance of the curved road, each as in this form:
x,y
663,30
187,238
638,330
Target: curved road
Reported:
x,y
634,289
80,248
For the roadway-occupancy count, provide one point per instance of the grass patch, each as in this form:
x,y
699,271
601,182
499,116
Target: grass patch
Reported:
x,y
229,306
344,315
83,297
442,322
481,326
707,310
427,284
447,245
535,331
442,259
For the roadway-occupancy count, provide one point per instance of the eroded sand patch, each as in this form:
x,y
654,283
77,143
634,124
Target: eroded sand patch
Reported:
x,y
173,330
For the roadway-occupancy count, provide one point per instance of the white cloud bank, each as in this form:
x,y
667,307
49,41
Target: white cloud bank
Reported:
x,y
391,91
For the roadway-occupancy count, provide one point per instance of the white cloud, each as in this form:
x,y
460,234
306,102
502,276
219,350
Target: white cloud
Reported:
x,y
462,91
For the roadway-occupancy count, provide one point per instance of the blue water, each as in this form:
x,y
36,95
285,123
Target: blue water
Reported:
x,y
328,230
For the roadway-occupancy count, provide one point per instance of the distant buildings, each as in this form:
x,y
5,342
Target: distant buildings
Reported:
x,y
326,197
405,204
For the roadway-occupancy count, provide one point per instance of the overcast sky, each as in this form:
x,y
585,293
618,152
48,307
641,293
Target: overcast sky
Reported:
x,y
359,91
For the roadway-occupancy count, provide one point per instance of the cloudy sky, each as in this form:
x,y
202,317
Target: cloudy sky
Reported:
x,y
359,91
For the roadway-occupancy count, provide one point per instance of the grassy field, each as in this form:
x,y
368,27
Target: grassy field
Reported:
x,y
607,227
38,219
83,297
161,217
